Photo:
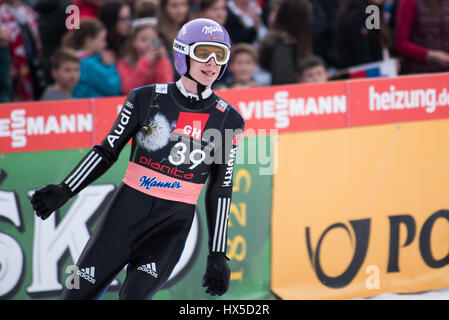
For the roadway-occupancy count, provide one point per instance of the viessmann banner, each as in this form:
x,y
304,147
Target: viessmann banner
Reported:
x,y
60,125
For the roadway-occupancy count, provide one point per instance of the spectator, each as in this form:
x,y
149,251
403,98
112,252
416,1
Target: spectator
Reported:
x,y
116,17
289,38
422,35
354,43
145,60
98,74
5,80
242,66
323,21
88,8
244,21
88,40
65,70
312,70
146,9
52,27
172,15
24,49
212,9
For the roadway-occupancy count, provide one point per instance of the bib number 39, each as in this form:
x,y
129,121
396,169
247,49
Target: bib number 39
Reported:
x,y
180,156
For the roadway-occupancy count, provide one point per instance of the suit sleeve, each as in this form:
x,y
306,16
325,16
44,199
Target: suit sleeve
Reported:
x,y
219,187
101,157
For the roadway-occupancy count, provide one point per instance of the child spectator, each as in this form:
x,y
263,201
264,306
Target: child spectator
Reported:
x,y
212,9
144,60
242,65
422,35
65,70
312,70
116,17
98,74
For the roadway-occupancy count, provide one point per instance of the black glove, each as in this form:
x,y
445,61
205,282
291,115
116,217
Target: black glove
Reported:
x,y
49,198
216,277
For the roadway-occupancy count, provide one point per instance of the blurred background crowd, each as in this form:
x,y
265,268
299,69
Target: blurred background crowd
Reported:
x,y
123,44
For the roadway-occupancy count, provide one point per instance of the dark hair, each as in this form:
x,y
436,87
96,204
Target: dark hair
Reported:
x,y
89,28
109,14
203,5
146,9
243,48
310,62
293,19
63,55
354,9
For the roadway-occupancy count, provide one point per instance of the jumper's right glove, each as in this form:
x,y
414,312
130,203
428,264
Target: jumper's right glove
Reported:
x,y
49,198
216,278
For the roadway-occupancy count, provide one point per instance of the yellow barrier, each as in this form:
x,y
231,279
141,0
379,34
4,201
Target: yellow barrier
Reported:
x,y
361,211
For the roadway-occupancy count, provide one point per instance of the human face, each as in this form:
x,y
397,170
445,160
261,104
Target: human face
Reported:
x,y
205,73
177,10
67,75
143,41
316,74
97,44
123,26
217,12
243,67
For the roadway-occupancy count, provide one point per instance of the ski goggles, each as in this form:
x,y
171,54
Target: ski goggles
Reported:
x,y
203,51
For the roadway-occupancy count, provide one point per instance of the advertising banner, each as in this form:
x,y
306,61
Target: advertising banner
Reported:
x,y
290,108
40,126
36,256
410,98
361,211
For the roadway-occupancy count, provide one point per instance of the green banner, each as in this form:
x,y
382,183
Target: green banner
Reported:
x,y
36,255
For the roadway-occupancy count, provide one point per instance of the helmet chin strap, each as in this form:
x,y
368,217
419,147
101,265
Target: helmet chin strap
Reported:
x,y
199,86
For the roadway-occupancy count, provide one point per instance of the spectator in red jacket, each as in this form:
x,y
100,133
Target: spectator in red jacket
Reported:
x,y
145,59
422,35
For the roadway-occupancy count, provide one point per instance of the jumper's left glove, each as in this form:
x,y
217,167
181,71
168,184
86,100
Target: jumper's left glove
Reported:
x,y
216,277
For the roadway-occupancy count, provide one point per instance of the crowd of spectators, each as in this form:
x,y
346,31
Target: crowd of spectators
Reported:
x,y
122,44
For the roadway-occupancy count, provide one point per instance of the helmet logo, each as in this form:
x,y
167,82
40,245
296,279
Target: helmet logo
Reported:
x,y
211,29
180,47
214,38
